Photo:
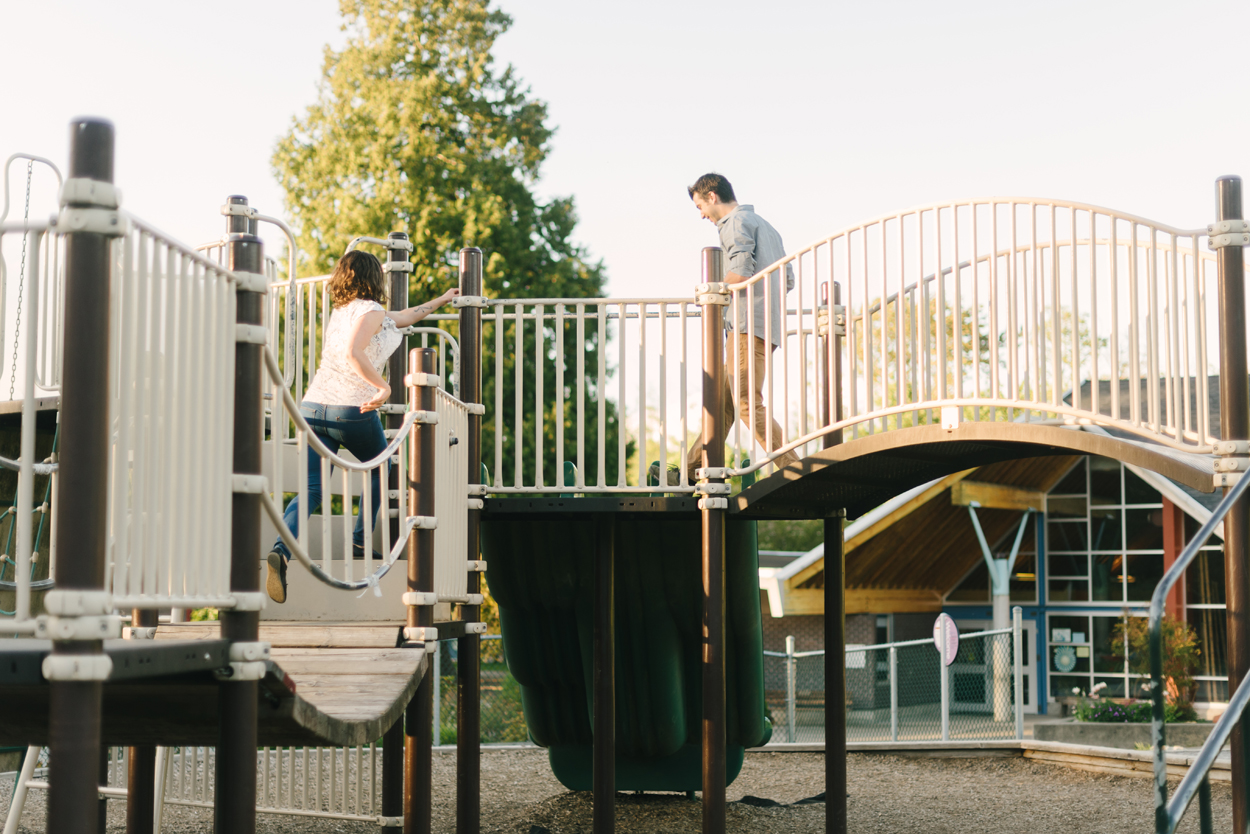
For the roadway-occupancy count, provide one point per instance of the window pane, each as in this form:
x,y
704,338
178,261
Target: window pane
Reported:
x,y
1073,482
1144,529
1074,625
975,587
1107,656
1108,577
1104,481
1115,687
1104,530
1213,692
1137,491
1062,685
1068,658
1068,590
1144,572
1204,579
1024,578
1064,564
1028,544
1066,536
1065,507
1212,631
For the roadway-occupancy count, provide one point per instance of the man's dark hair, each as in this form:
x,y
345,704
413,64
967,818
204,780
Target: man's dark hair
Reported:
x,y
714,184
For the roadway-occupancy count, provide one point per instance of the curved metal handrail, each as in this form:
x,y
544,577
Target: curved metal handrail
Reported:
x,y
1168,814
370,581
292,408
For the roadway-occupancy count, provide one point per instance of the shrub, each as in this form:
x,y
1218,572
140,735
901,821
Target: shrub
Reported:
x,y
1138,712
1180,655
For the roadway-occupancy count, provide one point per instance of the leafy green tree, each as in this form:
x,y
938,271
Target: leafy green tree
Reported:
x,y
416,129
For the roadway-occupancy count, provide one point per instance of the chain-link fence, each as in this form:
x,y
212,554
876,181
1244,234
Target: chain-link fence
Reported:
x,y
503,721
901,691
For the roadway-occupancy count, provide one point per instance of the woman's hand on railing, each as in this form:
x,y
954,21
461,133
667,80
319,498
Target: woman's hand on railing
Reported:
x,y
379,399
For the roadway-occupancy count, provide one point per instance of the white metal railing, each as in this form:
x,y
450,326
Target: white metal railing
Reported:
x,y
1004,309
306,303
170,417
632,369
285,412
343,783
451,485
38,275
50,316
999,661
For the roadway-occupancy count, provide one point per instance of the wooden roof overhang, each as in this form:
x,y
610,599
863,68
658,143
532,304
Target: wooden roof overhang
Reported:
x,y
910,558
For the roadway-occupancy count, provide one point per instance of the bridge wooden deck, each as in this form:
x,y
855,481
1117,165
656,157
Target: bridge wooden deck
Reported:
x,y
326,684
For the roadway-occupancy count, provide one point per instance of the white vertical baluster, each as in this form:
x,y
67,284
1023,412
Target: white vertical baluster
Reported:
x,y
581,396
539,405
558,417
499,421
601,394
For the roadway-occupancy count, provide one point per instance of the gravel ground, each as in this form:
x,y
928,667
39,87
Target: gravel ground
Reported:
x,y
889,795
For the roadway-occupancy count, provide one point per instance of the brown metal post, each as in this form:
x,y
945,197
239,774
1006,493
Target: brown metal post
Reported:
x,y
468,666
74,711
1235,425
234,808
713,556
835,676
419,716
102,802
835,597
603,768
141,768
399,267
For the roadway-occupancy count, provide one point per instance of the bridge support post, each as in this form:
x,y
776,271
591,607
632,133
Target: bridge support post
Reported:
x,y
398,266
418,747
141,768
235,807
1235,425
468,649
75,699
603,775
713,512
835,597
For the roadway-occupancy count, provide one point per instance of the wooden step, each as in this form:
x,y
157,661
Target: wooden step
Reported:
x,y
298,635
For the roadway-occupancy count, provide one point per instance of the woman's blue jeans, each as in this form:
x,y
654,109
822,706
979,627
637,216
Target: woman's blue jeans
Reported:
x,y
338,426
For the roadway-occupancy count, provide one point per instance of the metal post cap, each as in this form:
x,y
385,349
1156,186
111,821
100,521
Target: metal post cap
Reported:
x,y
91,148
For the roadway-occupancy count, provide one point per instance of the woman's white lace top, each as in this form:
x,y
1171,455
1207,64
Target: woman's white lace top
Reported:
x,y
335,383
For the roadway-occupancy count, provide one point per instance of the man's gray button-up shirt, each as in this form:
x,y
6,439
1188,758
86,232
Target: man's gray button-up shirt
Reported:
x,y
751,244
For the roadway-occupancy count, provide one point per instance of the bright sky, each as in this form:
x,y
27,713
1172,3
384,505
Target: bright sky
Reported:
x,y
822,114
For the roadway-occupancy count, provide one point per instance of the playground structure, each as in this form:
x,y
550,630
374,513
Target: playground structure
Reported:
x,y
913,346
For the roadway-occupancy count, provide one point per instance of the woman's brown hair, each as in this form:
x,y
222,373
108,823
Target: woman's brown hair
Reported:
x,y
358,275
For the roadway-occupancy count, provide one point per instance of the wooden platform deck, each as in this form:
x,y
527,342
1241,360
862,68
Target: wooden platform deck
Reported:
x,y
326,684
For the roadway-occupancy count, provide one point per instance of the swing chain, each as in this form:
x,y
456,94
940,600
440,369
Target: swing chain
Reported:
x,y
21,279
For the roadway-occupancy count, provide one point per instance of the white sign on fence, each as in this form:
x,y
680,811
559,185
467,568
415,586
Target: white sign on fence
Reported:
x,y
946,638
856,657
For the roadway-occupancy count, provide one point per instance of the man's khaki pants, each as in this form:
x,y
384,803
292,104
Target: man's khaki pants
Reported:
x,y
747,401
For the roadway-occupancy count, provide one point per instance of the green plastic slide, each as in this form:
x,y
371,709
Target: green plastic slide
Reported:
x,y
541,573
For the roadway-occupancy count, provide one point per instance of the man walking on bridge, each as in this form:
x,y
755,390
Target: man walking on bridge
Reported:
x,y
750,244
